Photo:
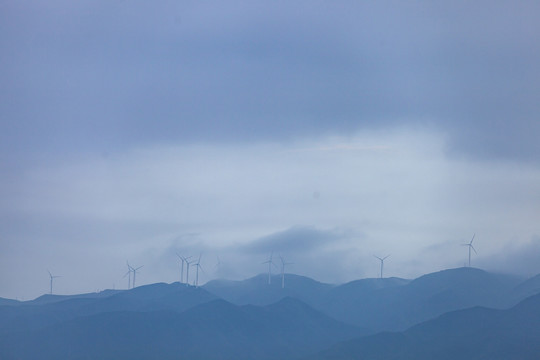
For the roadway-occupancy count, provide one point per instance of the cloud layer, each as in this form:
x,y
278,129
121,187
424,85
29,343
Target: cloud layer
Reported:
x,y
326,132
336,201
100,76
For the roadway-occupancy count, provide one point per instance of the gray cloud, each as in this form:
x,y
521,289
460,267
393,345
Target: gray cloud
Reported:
x,y
517,258
126,125
100,76
379,193
298,240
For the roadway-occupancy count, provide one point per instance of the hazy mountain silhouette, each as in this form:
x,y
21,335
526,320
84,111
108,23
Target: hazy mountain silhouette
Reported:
x,y
527,288
30,316
170,321
52,298
214,330
471,334
354,293
396,304
257,291
10,302
380,304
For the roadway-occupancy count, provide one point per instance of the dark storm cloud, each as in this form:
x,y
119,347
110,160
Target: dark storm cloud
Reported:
x,y
298,239
100,75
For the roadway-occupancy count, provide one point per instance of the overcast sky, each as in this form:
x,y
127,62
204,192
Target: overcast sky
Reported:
x,y
327,132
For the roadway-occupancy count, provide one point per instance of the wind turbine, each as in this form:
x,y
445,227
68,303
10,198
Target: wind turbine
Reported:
x,y
470,245
135,273
188,264
128,274
382,263
52,278
283,263
270,263
182,270
198,266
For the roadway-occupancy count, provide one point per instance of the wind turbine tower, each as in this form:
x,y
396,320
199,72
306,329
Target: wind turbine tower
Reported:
x,y
128,274
198,266
270,263
135,273
188,264
283,264
382,263
52,277
182,269
470,245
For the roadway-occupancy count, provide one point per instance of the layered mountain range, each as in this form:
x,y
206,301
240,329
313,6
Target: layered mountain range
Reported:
x,y
462,313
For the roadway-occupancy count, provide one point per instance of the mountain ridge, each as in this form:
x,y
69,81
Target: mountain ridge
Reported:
x,y
470,334
213,330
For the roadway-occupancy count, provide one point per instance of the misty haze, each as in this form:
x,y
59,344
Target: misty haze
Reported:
x,y
269,180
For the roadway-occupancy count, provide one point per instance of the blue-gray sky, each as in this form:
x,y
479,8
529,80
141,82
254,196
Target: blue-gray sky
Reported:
x,y
327,132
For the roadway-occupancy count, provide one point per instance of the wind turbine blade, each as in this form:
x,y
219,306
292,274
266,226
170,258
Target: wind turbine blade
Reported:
x,y
204,272
472,238
472,247
138,268
386,256
378,257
